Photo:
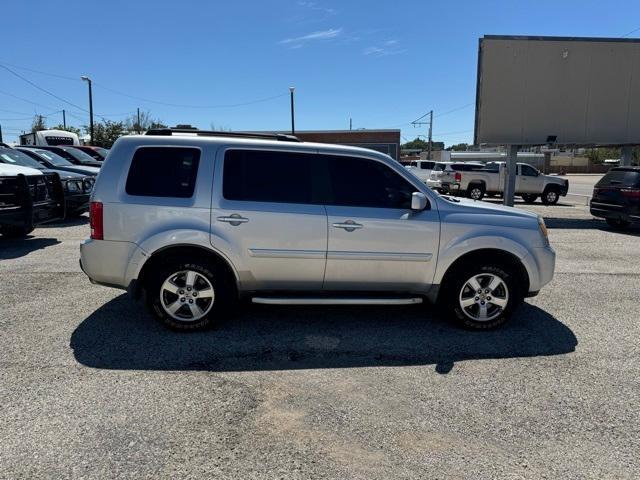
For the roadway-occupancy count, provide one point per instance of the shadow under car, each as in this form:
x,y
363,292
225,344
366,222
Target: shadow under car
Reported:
x,y
122,335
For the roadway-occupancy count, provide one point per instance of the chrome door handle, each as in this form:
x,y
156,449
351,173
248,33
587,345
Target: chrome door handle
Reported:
x,y
234,219
348,225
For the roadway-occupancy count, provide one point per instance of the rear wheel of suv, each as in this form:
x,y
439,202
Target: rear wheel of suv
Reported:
x,y
188,295
617,223
529,197
475,191
551,196
482,296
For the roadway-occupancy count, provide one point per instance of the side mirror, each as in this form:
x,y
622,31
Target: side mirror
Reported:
x,y
418,201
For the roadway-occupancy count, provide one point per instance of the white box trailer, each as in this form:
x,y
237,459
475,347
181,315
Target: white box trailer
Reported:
x,y
51,138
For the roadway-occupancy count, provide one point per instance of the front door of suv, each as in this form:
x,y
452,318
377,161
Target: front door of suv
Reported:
x,y
376,242
267,216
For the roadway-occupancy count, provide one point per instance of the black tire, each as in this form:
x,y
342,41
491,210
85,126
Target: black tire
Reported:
x,y
457,280
475,191
551,196
617,223
14,231
221,281
529,197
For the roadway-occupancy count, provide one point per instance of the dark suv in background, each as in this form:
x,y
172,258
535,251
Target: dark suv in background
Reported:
x,y
75,156
616,197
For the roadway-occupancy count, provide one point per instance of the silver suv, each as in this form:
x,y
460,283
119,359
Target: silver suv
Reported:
x,y
196,221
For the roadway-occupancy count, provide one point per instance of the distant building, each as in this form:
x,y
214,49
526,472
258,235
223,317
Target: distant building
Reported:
x,y
385,141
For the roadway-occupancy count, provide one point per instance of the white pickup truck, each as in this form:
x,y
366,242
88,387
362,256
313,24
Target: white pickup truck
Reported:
x,y
530,183
421,169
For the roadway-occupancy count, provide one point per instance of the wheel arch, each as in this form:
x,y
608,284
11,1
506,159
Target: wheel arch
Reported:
x,y
183,250
484,254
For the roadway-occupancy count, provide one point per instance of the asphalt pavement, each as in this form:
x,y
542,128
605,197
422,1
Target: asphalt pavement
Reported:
x,y
92,387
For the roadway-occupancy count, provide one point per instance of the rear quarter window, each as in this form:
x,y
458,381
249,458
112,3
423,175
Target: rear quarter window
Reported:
x,y
163,172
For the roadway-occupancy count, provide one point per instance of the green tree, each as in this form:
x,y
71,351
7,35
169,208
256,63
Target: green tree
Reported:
x,y
145,123
68,128
459,147
38,124
105,133
416,144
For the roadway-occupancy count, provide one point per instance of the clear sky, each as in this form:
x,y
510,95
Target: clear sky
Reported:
x,y
381,63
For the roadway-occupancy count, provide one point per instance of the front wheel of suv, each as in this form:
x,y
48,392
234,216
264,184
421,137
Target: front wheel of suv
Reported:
x,y
482,296
188,295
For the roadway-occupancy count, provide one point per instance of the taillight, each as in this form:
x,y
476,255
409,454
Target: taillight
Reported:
x,y
630,192
458,177
95,221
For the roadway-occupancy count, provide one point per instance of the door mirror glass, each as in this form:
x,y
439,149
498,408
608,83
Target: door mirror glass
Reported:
x,y
418,201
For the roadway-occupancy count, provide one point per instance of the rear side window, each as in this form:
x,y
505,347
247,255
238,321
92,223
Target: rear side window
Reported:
x,y
622,178
268,176
360,182
427,165
163,172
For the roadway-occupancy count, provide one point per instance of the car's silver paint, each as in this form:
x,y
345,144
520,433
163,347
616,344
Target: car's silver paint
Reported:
x,y
297,247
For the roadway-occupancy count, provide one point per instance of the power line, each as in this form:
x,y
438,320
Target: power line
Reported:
x,y
75,79
629,33
25,100
40,88
454,110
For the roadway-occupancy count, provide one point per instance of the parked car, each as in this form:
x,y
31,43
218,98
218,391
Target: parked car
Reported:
x,y
97,153
198,222
421,168
76,187
616,197
77,157
52,160
489,179
28,198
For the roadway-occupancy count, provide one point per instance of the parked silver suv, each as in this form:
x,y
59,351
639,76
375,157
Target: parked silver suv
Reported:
x,y
196,221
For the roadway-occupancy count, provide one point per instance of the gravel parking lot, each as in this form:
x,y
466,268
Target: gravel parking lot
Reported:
x,y
92,387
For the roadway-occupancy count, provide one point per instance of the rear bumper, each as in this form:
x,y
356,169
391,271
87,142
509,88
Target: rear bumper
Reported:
x,y
615,212
106,262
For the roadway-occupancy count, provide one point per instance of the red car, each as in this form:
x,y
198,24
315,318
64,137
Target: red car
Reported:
x,y
98,153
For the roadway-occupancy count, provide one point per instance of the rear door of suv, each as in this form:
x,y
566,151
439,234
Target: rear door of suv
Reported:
x,y
376,242
269,212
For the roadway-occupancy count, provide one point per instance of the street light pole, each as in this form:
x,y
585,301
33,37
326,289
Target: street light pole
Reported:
x,y
88,80
293,122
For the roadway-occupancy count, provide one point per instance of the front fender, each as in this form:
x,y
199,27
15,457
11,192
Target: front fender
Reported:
x,y
451,252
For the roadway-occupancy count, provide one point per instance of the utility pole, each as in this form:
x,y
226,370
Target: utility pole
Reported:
x,y
64,119
418,122
293,122
139,126
430,130
350,123
88,80
0,133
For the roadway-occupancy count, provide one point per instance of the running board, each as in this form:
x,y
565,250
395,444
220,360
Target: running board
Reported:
x,y
335,301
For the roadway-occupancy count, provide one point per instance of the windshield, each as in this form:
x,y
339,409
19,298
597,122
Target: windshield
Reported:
x,y
53,158
14,157
80,155
101,151
439,167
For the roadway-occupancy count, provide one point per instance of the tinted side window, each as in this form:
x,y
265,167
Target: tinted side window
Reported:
x,y
268,176
163,172
427,165
366,183
528,171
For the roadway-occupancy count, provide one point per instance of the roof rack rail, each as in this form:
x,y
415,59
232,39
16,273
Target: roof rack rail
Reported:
x,y
211,133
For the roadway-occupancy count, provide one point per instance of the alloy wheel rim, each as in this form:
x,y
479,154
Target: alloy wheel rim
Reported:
x,y
551,196
483,297
187,296
475,193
